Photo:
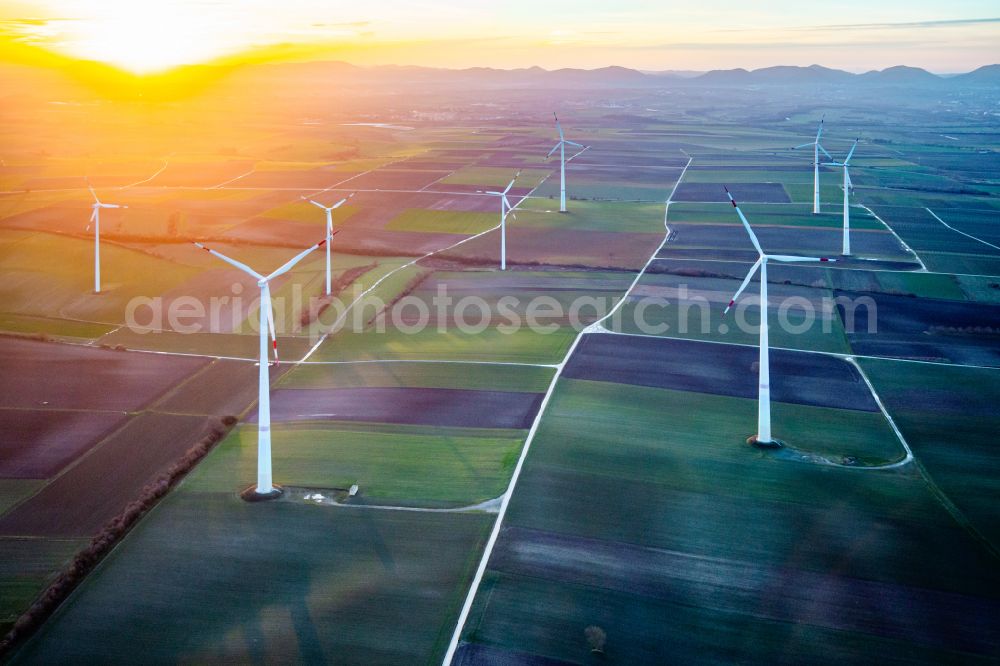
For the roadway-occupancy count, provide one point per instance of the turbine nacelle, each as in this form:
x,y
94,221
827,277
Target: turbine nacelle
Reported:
x,y
762,257
815,142
562,138
263,281
329,208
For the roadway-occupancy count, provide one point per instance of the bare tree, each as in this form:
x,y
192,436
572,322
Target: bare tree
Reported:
x,y
596,638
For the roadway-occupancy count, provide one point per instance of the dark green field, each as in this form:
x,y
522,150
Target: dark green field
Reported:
x,y
644,512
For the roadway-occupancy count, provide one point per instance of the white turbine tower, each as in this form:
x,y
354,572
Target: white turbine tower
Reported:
x,y
265,489
816,150
763,437
505,208
95,218
561,147
848,185
329,231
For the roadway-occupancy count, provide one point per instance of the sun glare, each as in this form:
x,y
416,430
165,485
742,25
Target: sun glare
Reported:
x,y
146,38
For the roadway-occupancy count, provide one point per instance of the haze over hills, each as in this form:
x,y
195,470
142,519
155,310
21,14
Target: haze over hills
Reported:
x,y
65,79
292,74
623,77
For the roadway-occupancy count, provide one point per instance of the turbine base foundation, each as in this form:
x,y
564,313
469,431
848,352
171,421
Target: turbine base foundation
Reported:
x,y
251,495
773,444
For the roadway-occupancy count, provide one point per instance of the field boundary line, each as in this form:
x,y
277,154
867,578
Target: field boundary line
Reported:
x,y
888,417
996,247
431,360
163,168
942,497
505,502
357,175
231,180
438,180
902,242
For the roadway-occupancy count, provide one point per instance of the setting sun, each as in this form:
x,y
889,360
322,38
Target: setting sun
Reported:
x,y
152,36
148,37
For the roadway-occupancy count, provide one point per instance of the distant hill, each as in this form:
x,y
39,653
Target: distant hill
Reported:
x,y
986,75
476,77
901,75
818,75
725,77
400,76
677,73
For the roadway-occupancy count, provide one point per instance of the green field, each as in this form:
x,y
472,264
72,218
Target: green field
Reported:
x,y
393,464
303,211
655,521
796,215
27,566
952,430
238,583
443,221
520,346
592,215
489,177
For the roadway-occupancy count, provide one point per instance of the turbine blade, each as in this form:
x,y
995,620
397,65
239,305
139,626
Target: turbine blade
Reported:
x,y
753,236
848,158
498,194
511,183
270,324
819,131
746,281
316,203
823,150
789,259
554,149
294,260
803,145
340,203
850,184
573,143
92,192
558,126
243,267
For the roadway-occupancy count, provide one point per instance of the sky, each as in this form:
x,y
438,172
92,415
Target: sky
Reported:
x,y
147,36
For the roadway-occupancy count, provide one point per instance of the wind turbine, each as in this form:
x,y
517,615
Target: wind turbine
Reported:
x,y
505,208
95,217
816,149
329,230
561,147
848,185
763,437
265,489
